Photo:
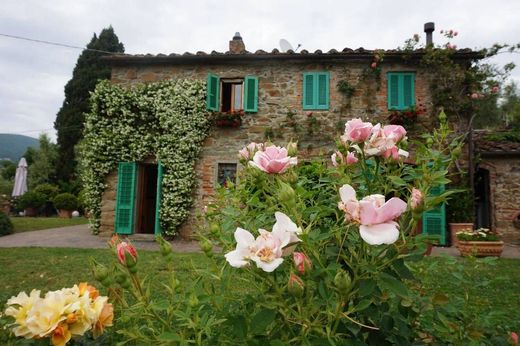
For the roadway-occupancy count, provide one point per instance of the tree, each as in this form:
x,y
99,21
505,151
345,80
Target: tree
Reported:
x,y
88,71
43,169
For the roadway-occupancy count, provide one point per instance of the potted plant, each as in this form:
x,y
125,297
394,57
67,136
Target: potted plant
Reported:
x,y
49,191
481,242
460,214
66,203
31,202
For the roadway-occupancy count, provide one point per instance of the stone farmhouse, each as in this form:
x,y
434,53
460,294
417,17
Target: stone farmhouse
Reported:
x,y
302,95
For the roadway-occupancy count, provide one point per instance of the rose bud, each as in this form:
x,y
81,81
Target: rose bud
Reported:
x,y
295,286
302,262
342,281
126,254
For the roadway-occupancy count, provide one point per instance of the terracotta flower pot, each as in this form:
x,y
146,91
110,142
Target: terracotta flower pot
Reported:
x,y
480,248
457,227
65,214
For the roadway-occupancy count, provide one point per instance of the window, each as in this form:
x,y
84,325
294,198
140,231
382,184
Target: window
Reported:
x,y
315,90
225,172
401,90
227,95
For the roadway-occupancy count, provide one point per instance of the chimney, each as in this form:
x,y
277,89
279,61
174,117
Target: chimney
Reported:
x,y
236,45
429,28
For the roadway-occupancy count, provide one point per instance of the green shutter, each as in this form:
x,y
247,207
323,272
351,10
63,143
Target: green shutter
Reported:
x,y
212,90
434,221
125,198
251,94
408,90
158,198
308,90
401,90
393,95
322,92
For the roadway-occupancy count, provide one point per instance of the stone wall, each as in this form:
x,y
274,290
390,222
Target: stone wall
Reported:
x,y
504,174
279,94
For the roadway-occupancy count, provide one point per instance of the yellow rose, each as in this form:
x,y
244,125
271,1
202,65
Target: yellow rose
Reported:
x,y
18,308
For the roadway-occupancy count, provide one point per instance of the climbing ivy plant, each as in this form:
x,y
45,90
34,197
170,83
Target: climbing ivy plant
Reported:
x,y
166,120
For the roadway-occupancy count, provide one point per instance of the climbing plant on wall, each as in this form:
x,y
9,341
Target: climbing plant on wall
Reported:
x,y
165,119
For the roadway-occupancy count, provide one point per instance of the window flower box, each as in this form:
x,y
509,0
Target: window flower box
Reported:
x,y
228,119
405,117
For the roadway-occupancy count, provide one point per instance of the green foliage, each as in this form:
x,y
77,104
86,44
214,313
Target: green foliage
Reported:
x,y
69,122
460,207
65,201
7,169
31,199
6,226
165,119
6,186
481,234
43,169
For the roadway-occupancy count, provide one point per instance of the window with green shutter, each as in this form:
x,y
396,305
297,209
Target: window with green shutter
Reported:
x,y
434,221
125,198
232,94
401,90
315,93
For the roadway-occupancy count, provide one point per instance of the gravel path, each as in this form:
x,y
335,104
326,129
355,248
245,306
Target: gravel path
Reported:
x,y
80,237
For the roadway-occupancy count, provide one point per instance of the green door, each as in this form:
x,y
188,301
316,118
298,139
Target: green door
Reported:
x,y
125,198
434,221
158,200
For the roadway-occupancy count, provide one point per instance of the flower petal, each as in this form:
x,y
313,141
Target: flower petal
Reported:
x,y
268,266
244,238
237,258
383,233
347,193
392,209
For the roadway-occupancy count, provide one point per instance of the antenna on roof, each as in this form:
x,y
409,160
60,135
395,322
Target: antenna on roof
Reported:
x,y
286,46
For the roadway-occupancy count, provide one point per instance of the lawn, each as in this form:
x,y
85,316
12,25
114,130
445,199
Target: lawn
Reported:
x,y
51,268
26,224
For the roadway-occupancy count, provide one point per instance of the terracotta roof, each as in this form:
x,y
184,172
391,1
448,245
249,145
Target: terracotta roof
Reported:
x,y
492,147
275,54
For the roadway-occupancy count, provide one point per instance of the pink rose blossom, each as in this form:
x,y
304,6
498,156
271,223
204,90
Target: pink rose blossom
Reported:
x,y
351,158
243,153
396,132
375,216
335,157
357,131
373,65
273,160
495,89
416,198
474,96
268,248
455,33
514,337
302,262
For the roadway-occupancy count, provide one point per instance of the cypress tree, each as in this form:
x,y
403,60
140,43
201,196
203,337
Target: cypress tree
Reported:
x,y
89,70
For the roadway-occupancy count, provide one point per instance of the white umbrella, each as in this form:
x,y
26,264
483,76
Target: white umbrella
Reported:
x,y
20,180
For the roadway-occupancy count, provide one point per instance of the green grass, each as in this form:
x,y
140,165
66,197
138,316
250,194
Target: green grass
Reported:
x,y
26,224
22,269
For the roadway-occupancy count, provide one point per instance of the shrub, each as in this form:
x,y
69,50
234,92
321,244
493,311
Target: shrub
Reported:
x,y
31,199
6,226
49,191
66,201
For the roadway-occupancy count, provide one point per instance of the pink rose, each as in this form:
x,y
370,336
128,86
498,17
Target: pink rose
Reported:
x,y
357,131
302,262
397,132
416,198
375,216
126,254
243,153
474,96
351,158
373,65
495,89
273,160
514,337
335,157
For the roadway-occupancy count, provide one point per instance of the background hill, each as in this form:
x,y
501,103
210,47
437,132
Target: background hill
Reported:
x,y
14,146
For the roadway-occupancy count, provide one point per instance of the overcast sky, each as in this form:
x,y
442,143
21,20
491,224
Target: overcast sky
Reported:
x,y
32,75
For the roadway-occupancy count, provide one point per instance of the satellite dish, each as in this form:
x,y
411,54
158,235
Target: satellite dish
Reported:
x,y
285,45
